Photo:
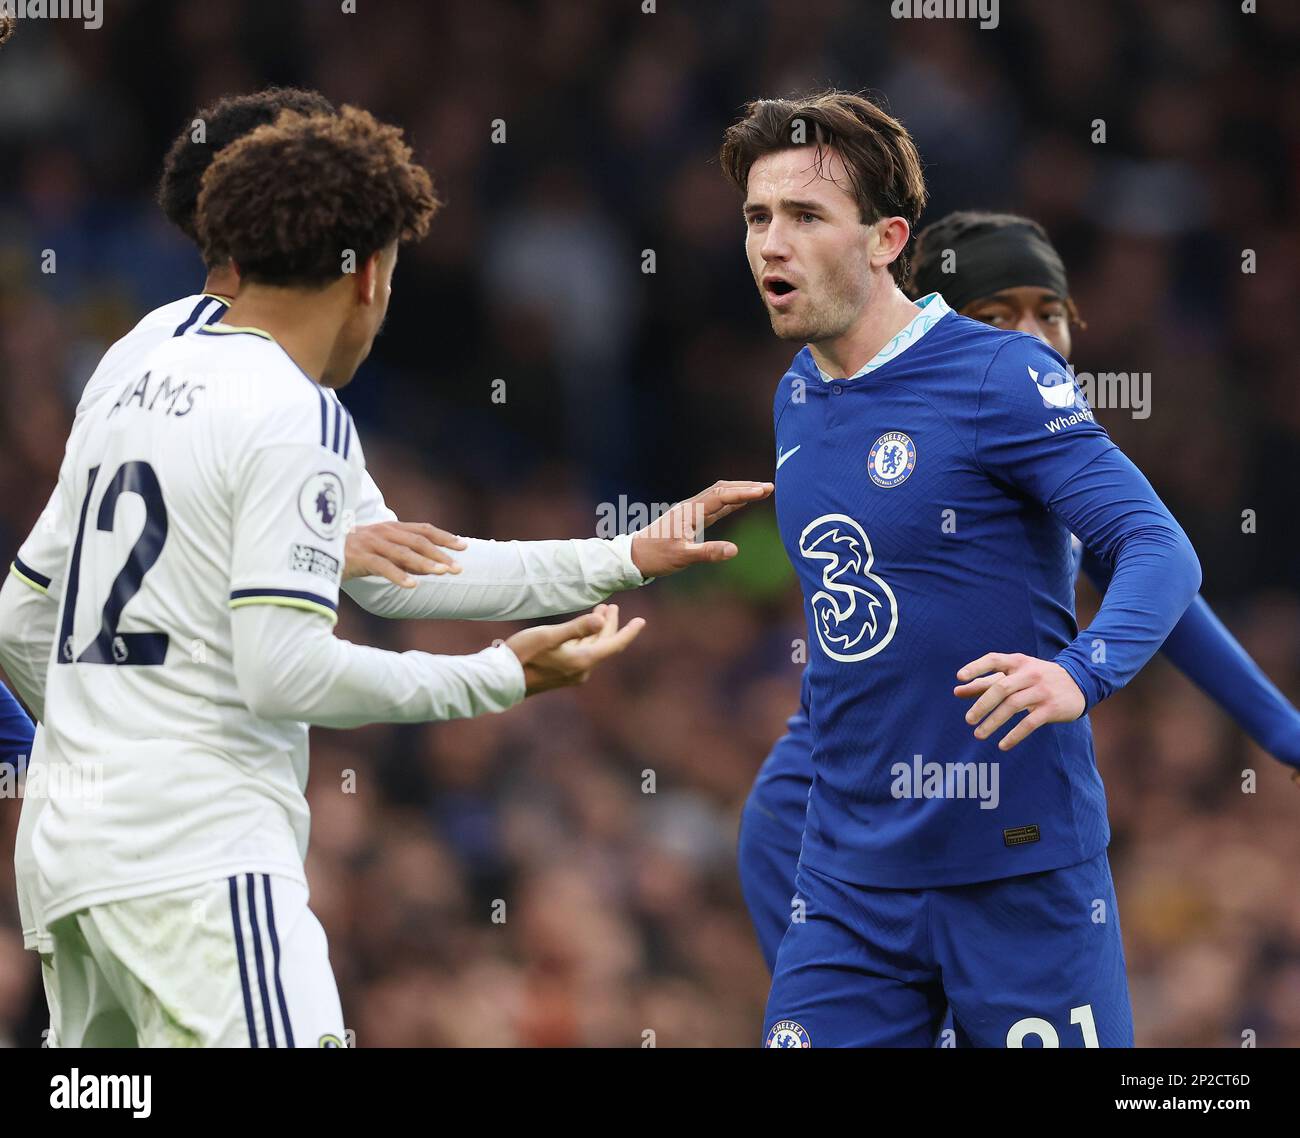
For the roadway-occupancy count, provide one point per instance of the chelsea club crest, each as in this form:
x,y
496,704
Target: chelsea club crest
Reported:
x,y
892,459
787,1033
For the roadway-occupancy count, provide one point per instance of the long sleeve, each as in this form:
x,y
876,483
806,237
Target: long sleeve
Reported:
x,y
1210,656
27,618
1113,510
509,580
1068,464
290,665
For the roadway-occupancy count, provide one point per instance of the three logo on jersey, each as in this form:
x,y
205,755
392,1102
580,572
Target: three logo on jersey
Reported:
x,y
855,613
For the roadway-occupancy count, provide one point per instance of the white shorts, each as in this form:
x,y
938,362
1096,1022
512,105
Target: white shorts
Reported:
x,y
238,962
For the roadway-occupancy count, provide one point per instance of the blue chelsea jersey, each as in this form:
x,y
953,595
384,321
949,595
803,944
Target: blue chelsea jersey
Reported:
x,y
913,501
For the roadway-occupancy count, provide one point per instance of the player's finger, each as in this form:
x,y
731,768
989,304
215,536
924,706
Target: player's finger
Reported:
x,y
373,565
424,547
995,694
729,496
989,662
1014,704
613,644
608,614
1022,730
976,686
709,551
436,535
407,557
574,629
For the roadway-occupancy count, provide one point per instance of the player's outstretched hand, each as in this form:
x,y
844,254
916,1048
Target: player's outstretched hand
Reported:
x,y
396,550
1009,683
560,655
671,542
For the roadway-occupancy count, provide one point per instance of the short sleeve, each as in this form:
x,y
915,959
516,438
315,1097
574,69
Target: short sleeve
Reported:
x,y
1033,426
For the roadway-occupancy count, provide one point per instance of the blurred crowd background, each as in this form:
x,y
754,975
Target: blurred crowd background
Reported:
x,y
623,913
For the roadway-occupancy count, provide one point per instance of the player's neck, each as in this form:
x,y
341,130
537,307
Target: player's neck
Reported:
x,y
303,323
222,281
879,322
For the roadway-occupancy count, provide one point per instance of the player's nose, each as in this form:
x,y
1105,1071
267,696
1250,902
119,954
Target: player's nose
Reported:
x,y
1029,324
775,245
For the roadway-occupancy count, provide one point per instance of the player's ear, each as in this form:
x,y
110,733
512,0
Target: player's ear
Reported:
x,y
368,279
889,238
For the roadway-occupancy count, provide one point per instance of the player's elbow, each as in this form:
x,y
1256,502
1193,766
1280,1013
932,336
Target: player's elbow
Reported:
x,y
1186,572
1166,551
377,596
263,693
272,650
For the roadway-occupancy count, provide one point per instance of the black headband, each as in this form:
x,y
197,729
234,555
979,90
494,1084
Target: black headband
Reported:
x,y
1011,256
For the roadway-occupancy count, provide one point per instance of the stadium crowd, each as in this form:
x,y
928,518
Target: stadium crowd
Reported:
x,y
564,874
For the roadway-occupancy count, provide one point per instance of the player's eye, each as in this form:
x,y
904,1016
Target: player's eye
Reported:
x,y
1053,315
806,216
996,319
755,218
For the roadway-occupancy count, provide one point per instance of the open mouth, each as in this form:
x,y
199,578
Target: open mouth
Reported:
x,y
778,290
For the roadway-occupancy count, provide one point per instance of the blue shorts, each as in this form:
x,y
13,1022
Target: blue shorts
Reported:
x,y
767,854
1029,961
771,831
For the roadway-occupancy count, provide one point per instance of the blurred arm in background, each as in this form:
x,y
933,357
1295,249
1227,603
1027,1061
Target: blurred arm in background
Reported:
x,y
1209,655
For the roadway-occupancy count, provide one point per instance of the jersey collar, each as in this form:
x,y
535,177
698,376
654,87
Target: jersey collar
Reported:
x,y
231,329
933,309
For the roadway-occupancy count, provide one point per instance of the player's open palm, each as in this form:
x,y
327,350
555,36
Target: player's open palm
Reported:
x,y
672,541
1009,683
560,655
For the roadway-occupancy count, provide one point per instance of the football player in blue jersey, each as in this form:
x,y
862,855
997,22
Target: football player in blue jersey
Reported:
x,y
931,470
1005,272
16,731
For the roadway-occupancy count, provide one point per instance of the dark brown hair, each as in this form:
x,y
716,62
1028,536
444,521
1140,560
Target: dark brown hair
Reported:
x,y
288,201
884,169
223,122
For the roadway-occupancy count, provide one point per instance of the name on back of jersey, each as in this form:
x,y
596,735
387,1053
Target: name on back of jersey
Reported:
x,y
157,393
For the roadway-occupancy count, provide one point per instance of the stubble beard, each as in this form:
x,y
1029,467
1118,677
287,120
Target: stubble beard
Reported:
x,y
827,319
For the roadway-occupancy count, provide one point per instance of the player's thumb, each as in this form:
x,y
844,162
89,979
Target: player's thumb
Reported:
x,y
713,551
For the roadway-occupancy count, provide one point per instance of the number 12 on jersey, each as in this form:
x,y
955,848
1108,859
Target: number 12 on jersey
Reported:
x,y
109,645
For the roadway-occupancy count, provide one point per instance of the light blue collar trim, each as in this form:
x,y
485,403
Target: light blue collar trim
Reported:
x,y
933,309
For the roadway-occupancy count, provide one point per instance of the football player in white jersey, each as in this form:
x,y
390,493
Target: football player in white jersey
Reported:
x,y
507,572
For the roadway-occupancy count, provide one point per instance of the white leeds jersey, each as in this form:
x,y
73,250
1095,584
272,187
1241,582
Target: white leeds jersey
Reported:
x,y
218,475
40,561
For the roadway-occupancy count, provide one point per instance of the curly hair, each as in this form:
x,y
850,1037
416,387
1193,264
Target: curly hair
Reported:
x,y
884,169
223,122
289,201
7,25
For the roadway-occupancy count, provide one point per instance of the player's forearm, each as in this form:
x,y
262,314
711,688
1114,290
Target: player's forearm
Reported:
x,y
27,619
1203,649
1115,512
509,580
291,666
